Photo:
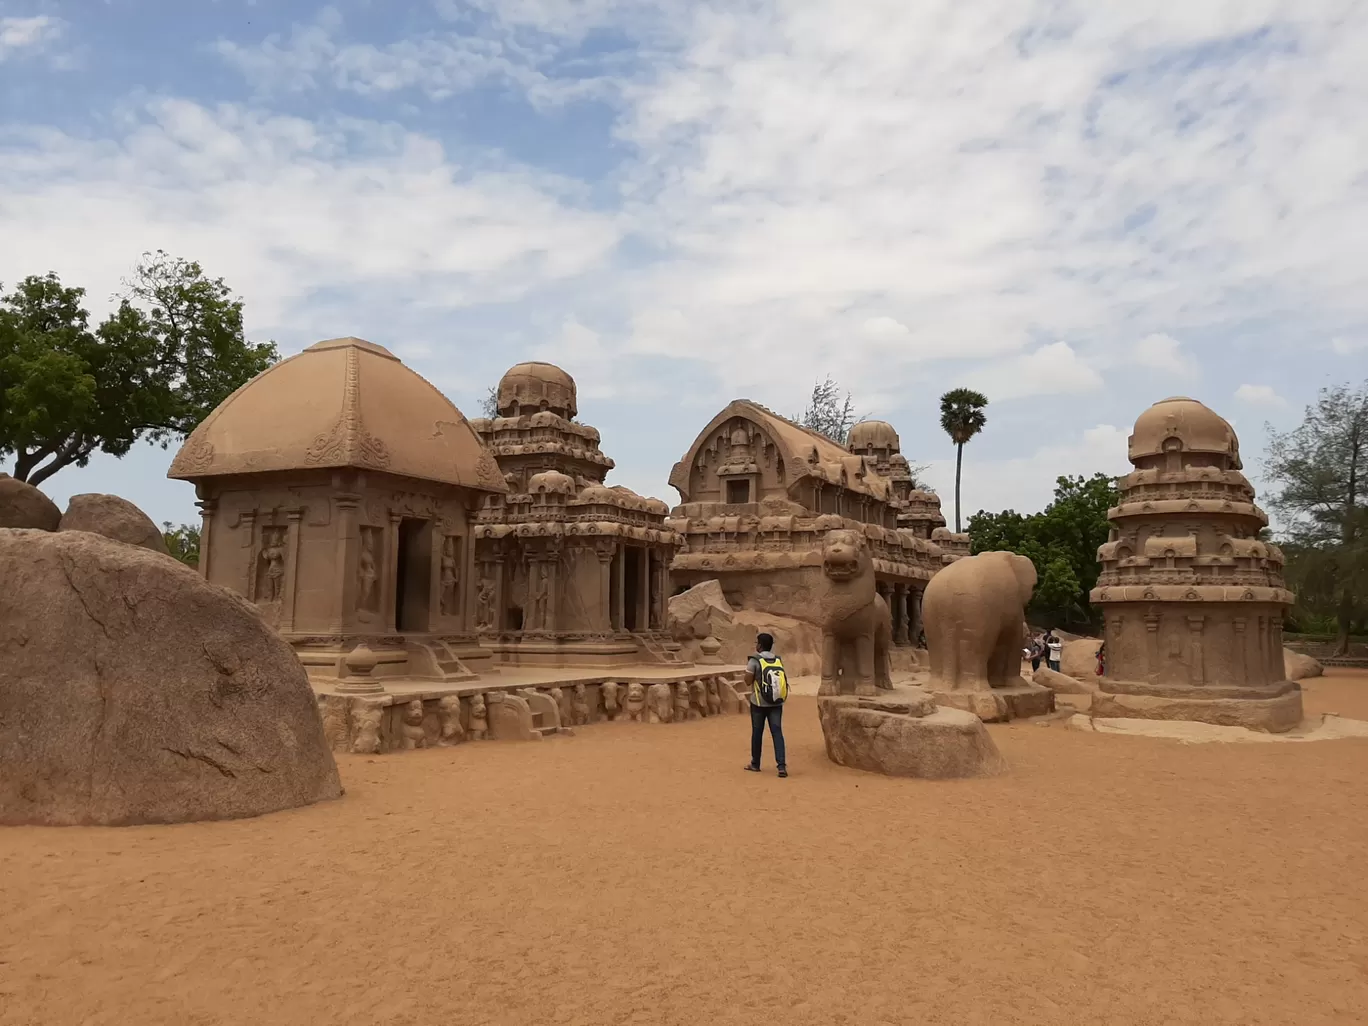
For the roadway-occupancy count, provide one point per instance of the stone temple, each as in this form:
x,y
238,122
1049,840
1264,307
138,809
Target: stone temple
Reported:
x,y
570,570
1193,599
339,492
759,493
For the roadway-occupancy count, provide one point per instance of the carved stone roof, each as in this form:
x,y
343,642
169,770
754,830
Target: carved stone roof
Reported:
x,y
1197,427
805,453
873,434
531,384
344,402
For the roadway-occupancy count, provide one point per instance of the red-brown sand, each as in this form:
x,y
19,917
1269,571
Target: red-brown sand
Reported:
x,y
634,874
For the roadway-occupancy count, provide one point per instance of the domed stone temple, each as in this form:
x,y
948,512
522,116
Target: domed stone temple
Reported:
x,y
1193,599
570,570
338,491
759,492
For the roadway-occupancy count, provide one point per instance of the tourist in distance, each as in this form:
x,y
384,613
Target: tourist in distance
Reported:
x,y
1055,648
1036,652
768,689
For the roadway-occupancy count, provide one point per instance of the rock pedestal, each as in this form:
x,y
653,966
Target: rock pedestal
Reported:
x,y
902,733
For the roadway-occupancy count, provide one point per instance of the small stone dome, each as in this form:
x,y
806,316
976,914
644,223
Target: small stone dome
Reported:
x,y
551,481
873,434
529,387
343,402
1197,427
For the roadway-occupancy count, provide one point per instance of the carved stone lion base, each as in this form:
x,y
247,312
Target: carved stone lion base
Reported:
x,y
901,733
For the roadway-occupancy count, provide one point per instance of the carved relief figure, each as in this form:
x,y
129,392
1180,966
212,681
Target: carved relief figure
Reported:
x,y
563,704
713,698
479,721
449,712
334,712
540,593
451,576
681,701
660,700
698,700
609,691
272,562
367,596
484,604
579,705
636,701
411,732
366,724
857,628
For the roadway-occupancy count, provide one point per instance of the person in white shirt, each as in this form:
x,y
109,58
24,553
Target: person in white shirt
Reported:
x,y
1055,647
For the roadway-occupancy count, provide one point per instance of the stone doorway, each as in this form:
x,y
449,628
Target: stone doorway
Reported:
x,y
413,576
633,573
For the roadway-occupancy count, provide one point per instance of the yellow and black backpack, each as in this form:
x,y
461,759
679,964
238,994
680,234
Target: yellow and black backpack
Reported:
x,y
771,683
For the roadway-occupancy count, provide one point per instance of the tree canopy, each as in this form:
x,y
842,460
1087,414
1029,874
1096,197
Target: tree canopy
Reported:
x,y
1061,540
829,412
171,351
1320,474
182,542
962,417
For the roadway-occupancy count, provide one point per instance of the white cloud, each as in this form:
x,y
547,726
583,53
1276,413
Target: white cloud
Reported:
x,y
1164,353
1026,483
1348,346
27,35
1050,370
1262,395
285,208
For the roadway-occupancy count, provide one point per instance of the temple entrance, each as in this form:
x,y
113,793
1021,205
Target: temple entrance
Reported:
x,y
632,576
413,576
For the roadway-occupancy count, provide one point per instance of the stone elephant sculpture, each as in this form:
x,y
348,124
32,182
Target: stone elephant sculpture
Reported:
x,y
972,613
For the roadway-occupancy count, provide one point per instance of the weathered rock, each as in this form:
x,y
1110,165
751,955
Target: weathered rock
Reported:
x,y
1277,714
133,691
114,518
1063,684
700,612
1078,659
24,506
908,741
1299,665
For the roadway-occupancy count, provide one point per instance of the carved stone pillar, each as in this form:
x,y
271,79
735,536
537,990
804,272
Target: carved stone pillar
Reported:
x,y
1152,673
468,578
552,587
346,550
1276,668
390,574
916,615
620,603
287,606
1260,650
207,508
899,611
644,590
497,613
1241,650
1196,671
247,525
603,612
436,544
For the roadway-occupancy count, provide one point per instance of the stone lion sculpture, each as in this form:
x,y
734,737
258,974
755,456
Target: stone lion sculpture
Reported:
x,y
972,615
856,626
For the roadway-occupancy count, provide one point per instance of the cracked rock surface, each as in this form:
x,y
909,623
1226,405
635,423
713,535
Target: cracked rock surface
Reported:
x,y
132,691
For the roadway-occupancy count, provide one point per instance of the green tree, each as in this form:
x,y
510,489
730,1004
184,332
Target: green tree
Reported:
x,y
182,542
1061,540
1321,472
829,412
962,417
170,352
489,405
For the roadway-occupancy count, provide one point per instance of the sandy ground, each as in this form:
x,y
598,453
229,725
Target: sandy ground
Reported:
x,y
634,874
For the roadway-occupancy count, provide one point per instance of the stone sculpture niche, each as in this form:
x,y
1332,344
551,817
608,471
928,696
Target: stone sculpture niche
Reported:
x,y
856,626
974,615
271,565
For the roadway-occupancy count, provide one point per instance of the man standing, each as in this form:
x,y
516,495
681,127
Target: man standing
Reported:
x,y
1056,649
768,687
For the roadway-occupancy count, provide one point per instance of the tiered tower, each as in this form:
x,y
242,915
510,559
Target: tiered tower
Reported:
x,y
570,570
1193,599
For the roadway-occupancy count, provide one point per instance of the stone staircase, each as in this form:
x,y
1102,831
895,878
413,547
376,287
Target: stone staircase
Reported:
x,y
434,659
654,650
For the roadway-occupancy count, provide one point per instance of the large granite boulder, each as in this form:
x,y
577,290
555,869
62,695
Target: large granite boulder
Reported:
x,y
114,518
22,505
133,691
1078,659
1299,665
700,612
1062,683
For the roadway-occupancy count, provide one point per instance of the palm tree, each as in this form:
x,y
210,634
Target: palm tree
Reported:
x,y
962,418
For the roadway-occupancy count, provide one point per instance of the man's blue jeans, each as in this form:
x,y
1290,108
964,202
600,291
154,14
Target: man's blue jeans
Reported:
x,y
774,715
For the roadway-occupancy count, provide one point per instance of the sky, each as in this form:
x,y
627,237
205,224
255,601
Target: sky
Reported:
x,y
1078,208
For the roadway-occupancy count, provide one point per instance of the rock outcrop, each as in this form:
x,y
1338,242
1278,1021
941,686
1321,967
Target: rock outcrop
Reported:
x,y
24,506
114,518
1078,659
1299,665
133,691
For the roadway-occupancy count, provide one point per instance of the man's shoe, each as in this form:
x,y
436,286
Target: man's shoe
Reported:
x,y
752,769
783,772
